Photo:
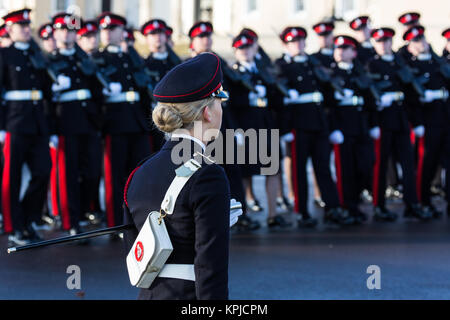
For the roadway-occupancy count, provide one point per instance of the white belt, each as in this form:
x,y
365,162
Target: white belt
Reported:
x,y
310,97
394,95
178,271
439,94
352,101
21,95
74,95
128,96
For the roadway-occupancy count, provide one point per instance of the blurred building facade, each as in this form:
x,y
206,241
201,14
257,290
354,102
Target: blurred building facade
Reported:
x,y
266,17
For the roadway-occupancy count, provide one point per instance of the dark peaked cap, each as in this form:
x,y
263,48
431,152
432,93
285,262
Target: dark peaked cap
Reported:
x,y
195,79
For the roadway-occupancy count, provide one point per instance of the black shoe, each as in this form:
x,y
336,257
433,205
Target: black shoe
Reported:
x,y
281,205
31,234
435,213
42,225
383,214
358,216
318,202
307,222
338,216
246,224
417,211
277,221
254,206
18,238
366,196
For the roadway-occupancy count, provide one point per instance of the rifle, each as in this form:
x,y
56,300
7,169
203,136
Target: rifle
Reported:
x,y
39,62
141,74
365,82
236,78
271,81
323,76
89,68
406,75
444,66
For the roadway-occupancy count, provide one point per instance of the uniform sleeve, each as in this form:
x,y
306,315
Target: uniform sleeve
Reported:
x,y
210,198
3,105
129,235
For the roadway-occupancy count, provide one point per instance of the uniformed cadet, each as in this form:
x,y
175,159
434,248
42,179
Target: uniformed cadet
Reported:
x,y
306,118
251,111
324,31
446,51
261,57
395,117
201,41
159,63
77,121
408,20
434,147
5,39
350,121
199,225
361,26
169,32
125,127
45,33
87,40
24,130
128,39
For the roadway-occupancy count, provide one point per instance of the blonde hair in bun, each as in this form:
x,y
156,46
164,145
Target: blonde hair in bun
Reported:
x,y
169,117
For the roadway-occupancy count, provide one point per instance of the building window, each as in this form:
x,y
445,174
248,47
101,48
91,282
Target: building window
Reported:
x,y
345,9
299,6
63,5
251,5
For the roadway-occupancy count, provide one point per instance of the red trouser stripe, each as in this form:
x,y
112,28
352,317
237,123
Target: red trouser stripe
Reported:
x,y
294,171
62,178
337,160
6,191
54,181
376,171
421,153
108,183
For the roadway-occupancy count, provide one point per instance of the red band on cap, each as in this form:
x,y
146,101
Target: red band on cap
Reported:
x,y
382,34
21,17
294,33
323,28
111,22
341,41
242,42
408,18
200,29
3,32
447,34
413,33
151,27
359,22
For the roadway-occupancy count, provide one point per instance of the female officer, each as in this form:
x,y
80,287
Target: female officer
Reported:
x,y
189,100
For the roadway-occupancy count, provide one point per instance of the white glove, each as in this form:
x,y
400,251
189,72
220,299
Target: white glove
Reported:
x,y
53,141
114,89
386,101
429,96
239,138
375,133
419,131
348,93
63,83
288,137
336,137
2,136
261,90
234,213
293,94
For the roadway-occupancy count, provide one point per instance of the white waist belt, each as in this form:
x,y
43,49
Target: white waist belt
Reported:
x,y
178,271
128,96
310,97
22,95
74,95
394,95
352,101
439,94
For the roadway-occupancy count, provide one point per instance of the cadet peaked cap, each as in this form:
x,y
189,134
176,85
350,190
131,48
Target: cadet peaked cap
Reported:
x,y
45,31
3,31
88,27
108,20
290,34
414,33
153,26
446,34
128,34
65,20
243,41
196,79
249,32
201,28
343,41
19,16
323,28
409,18
382,34
359,22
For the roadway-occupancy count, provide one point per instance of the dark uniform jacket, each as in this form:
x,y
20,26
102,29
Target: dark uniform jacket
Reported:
x,y
198,227
365,52
82,116
437,112
446,55
18,73
326,59
351,120
122,117
300,76
246,111
400,114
